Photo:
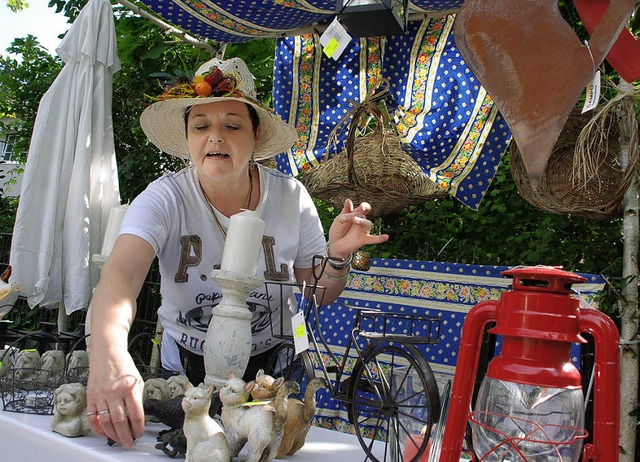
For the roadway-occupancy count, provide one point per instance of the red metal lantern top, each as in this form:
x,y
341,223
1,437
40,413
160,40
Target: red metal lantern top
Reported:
x,y
538,319
543,278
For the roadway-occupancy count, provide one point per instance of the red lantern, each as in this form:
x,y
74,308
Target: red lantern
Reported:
x,y
530,403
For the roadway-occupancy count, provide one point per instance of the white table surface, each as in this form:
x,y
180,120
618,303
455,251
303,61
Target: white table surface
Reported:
x,y
28,437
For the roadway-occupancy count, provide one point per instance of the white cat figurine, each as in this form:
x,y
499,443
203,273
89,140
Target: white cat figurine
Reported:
x,y
260,426
206,441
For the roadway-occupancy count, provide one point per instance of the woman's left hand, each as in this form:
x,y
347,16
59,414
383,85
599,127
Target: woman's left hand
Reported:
x,y
350,230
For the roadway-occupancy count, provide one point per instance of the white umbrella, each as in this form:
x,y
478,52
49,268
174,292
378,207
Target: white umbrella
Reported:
x,y
70,180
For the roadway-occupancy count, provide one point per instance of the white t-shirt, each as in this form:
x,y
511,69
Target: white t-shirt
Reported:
x,y
173,216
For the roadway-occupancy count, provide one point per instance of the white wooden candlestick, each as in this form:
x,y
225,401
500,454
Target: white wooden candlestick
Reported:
x,y
227,346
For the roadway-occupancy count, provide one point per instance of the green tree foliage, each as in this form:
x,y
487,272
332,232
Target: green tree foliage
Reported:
x,y
17,5
22,83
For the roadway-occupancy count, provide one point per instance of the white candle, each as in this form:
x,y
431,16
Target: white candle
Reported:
x,y
116,215
242,246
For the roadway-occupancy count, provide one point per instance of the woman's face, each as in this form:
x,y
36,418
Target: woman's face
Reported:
x,y
66,403
220,138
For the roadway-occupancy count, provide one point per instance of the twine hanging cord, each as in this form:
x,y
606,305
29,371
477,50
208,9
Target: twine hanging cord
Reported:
x,y
591,146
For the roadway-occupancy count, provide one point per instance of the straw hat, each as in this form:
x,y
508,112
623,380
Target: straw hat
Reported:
x,y
215,80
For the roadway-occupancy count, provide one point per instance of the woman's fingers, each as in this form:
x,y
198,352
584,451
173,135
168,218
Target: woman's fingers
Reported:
x,y
115,411
135,414
112,421
120,426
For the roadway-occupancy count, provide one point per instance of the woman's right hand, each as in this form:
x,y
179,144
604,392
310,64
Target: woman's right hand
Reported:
x,y
114,390
114,396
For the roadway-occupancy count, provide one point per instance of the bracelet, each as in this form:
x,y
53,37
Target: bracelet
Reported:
x,y
341,264
334,278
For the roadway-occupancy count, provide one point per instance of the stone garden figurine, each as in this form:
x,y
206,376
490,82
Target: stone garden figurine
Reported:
x,y
69,410
177,385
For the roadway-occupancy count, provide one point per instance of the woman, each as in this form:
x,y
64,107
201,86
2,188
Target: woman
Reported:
x,y
216,123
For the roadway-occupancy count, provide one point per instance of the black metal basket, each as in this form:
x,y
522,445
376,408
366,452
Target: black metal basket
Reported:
x,y
28,389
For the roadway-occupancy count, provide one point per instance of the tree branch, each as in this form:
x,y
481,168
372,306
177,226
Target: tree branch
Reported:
x,y
169,29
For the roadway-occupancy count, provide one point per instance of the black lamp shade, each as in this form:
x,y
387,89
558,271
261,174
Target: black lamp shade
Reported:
x,y
369,18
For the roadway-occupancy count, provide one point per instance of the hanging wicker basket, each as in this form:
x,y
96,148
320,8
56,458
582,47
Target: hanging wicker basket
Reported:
x,y
372,167
583,176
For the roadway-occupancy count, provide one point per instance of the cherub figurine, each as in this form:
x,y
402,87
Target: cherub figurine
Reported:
x,y
6,361
155,388
52,364
27,366
177,384
69,406
78,364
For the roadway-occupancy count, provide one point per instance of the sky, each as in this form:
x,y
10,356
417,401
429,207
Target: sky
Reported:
x,y
38,20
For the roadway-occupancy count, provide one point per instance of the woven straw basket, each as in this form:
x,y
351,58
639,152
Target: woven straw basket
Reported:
x,y
372,168
590,188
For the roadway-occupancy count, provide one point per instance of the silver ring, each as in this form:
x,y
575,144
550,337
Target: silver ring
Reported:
x,y
89,414
103,412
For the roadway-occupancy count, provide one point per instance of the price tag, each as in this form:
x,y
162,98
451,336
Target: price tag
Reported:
x,y
300,339
334,40
593,93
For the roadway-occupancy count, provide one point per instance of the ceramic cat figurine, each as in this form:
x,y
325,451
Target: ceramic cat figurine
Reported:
x,y
206,441
299,417
264,386
259,425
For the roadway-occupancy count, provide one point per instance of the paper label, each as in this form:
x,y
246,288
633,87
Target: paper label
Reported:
x,y
299,328
334,40
593,93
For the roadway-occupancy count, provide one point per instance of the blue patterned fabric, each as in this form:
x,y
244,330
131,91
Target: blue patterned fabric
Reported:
x,y
445,119
446,290
230,21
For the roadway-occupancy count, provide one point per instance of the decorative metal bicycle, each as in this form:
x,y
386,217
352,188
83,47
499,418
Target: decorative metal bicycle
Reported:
x,y
391,394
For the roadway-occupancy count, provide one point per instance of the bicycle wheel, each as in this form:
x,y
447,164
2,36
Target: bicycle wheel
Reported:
x,y
394,402
284,362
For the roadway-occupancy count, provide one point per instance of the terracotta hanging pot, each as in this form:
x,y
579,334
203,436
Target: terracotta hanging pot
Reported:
x,y
533,65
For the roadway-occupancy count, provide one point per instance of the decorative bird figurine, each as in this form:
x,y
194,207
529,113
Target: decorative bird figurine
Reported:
x,y
170,413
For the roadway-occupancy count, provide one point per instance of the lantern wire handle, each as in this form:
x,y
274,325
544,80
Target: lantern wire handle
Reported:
x,y
589,387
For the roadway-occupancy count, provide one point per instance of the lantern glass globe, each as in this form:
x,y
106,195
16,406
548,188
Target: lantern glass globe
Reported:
x,y
515,422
